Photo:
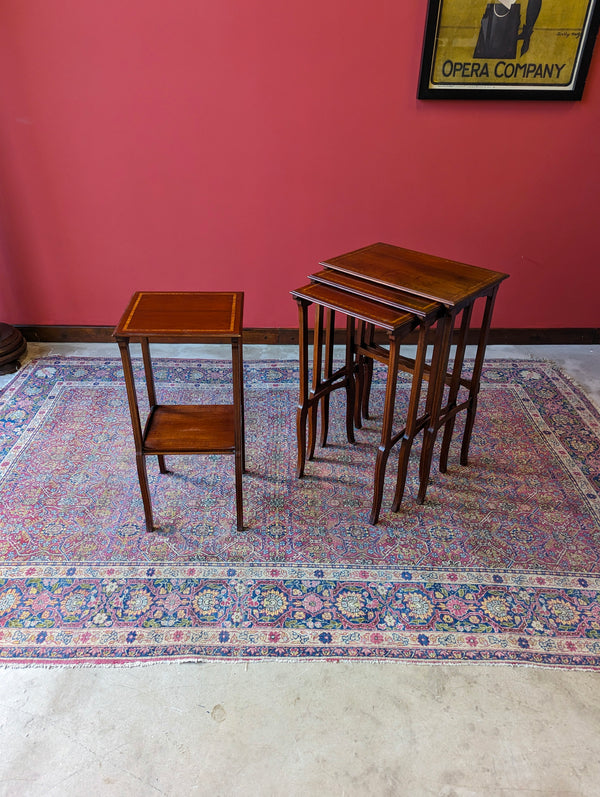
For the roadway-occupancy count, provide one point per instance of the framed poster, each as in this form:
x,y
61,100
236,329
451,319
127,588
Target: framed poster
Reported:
x,y
527,50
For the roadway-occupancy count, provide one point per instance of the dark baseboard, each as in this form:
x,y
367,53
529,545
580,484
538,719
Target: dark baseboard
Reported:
x,y
282,336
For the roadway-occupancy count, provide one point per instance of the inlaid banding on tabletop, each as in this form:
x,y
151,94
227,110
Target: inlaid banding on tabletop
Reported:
x,y
152,313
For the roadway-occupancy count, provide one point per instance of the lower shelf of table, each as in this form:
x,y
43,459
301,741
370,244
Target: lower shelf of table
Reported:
x,y
190,429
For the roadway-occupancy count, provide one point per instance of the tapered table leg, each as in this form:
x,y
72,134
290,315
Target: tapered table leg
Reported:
x,y
364,374
360,368
455,387
241,406
151,391
302,411
412,427
349,370
316,380
386,429
476,377
435,394
238,381
140,460
329,340
368,375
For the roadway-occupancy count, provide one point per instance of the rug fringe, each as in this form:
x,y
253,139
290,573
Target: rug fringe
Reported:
x,y
277,660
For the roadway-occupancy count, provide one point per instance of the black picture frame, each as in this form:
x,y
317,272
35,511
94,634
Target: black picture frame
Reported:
x,y
469,53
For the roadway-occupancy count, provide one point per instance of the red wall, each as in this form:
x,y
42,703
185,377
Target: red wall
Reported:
x,y
190,145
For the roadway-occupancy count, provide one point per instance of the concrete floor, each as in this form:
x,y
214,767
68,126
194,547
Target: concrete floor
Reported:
x,y
305,728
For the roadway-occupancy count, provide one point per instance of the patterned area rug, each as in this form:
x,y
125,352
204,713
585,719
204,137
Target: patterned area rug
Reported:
x,y
502,562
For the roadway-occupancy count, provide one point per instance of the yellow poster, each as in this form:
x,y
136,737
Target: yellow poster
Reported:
x,y
526,45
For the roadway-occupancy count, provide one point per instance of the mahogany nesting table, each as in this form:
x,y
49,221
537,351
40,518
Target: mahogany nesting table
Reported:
x,y
184,317
397,323
457,287
433,290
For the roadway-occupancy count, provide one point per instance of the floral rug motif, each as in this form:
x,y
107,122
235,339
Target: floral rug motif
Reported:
x,y
501,563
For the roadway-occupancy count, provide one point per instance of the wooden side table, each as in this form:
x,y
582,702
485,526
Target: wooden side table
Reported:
x,y
184,317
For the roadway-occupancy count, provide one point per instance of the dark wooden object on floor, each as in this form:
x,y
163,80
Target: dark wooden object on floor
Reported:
x,y
12,346
456,286
184,317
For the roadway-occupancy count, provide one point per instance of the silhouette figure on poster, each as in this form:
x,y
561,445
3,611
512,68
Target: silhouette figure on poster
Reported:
x,y
499,31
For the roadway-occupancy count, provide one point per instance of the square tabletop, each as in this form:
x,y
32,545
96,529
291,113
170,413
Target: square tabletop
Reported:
x,y
447,281
182,314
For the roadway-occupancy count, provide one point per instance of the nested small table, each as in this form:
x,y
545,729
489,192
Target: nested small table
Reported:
x,y
184,317
397,323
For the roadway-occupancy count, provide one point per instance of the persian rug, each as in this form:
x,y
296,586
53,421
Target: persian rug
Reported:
x,y
501,563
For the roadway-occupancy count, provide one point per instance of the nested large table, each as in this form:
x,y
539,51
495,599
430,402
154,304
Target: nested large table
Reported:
x,y
431,288
456,286
184,317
